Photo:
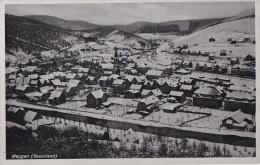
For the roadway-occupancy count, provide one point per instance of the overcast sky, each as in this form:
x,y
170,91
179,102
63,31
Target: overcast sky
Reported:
x,y
125,13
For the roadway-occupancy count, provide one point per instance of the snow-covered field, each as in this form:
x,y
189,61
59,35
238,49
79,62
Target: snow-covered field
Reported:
x,y
237,29
149,36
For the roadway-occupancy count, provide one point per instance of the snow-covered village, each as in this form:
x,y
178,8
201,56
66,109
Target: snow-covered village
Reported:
x,y
171,89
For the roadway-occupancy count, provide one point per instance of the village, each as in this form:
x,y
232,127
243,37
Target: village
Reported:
x,y
127,89
119,86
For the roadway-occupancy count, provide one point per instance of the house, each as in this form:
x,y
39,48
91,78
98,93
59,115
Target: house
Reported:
x,y
240,100
187,64
230,39
207,97
223,52
70,76
246,39
233,41
56,82
132,93
103,81
75,69
212,56
187,89
183,71
165,85
211,39
36,96
234,61
21,89
31,116
91,80
154,74
241,70
96,98
171,107
76,84
149,104
105,67
249,57
145,93
118,86
136,87
200,66
57,97
237,120
142,68
15,114
220,68
180,96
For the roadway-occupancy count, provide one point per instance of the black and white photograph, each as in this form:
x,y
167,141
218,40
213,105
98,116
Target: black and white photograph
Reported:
x,y
117,80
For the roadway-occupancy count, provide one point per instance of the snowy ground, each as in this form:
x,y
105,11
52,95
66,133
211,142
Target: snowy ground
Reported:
x,y
129,138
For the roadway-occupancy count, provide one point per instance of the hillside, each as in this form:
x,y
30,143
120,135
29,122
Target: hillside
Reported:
x,y
181,27
114,35
30,35
237,29
65,24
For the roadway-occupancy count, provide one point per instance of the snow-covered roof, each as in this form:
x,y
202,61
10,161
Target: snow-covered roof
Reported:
x,y
118,82
73,83
170,106
135,87
21,87
157,92
186,87
29,116
103,78
145,92
150,100
176,93
14,109
33,76
55,94
107,66
70,75
237,116
98,93
56,82
238,95
154,72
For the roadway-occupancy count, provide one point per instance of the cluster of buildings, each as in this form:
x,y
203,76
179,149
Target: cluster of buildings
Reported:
x,y
53,83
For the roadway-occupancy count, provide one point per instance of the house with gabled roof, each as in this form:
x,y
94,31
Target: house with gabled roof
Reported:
x,y
148,104
237,120
207,97
118,86
57,97
154,74
31,116
96,98
180,96
21,89
103,81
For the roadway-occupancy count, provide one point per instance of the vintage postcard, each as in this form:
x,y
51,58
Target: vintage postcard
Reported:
x,y
129,80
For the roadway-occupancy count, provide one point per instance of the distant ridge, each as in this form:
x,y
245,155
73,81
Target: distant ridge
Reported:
x,y
70,25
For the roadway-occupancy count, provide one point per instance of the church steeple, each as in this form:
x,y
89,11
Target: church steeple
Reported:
x,y
116,54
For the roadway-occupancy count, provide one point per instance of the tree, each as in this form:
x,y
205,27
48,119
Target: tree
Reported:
x,y
163,150
216,151
202,150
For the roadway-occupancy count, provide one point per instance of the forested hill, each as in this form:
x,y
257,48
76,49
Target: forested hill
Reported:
x,y
30,35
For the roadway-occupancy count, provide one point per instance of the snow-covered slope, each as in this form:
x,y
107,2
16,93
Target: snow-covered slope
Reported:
x,y
237,29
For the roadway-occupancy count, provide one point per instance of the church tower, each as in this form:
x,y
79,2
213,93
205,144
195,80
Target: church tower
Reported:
x,y
116,62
